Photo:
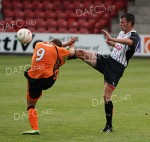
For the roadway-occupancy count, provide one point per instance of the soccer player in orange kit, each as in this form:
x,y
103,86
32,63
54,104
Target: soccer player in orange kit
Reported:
x,y
46,60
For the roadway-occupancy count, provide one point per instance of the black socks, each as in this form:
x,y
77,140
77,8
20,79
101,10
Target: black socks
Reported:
x,y
109,113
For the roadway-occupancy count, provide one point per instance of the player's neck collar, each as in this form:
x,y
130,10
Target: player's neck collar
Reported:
x,y
129,31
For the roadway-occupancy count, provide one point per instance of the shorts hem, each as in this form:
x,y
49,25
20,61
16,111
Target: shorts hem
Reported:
x,y
111,86
34,100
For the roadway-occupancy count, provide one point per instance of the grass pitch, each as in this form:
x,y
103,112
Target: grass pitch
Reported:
x,y
72,110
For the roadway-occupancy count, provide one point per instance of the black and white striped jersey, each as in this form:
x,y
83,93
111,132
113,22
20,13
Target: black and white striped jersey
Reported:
x,y
121,52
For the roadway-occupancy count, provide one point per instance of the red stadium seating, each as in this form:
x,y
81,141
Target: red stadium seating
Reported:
x,y
27,5
62,30
106,16
78,4
2,25
62,23
94,16
32,29
17,5
84,31
39,14
109,2
83,24
73,24
67,3
37,5
98,3
71,14
18,14
52,23
40,23
29,14
10,30
88,4
21,23
41,30
68,16
8,18
73,30
2,21
92,22
61,14
57,5
7,4
121,4
52,30
8,13
100,25
50,14
48,6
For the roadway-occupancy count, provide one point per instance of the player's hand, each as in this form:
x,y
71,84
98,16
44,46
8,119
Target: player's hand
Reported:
x,y
71,41
107,35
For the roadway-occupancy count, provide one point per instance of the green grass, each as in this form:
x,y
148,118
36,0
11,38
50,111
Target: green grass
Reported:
x,y
72,110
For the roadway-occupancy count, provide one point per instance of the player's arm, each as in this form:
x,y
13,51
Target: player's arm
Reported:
x,y
72,50
70,42
63,52
126,41
110,43
66,53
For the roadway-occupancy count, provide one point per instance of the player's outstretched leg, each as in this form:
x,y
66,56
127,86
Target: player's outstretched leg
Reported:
x,y
86,56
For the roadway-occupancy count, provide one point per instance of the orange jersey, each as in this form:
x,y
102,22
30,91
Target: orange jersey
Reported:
x,y
44,58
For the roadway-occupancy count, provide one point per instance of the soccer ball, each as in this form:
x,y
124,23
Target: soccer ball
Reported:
x,y
24,36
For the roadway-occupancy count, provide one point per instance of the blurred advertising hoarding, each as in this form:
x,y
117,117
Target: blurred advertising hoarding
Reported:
x,y
92,42
10,44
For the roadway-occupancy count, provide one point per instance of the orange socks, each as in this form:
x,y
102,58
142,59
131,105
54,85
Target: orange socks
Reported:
x,y
33,118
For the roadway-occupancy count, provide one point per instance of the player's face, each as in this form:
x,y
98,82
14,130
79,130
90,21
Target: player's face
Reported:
x,y
123,24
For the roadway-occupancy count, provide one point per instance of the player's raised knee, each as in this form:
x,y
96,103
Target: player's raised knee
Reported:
x,y
80,53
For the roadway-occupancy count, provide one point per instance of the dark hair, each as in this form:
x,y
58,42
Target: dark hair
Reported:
x,y
57,42
129,18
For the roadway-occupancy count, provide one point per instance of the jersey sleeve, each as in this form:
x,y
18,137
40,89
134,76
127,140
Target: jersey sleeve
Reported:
x,y
135,38
62,61
63,52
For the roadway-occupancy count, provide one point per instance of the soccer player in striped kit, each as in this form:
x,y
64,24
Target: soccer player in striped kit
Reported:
x,y
113,66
